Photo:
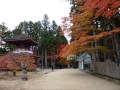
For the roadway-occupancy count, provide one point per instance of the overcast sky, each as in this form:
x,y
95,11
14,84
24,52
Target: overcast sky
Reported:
x,y
12,12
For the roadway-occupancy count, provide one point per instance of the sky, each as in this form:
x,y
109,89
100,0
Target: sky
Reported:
x,y
12,12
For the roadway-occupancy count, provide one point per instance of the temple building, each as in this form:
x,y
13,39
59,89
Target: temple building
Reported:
x,y
21,41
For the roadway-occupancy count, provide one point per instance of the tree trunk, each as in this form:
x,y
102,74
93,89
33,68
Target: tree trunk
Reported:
x,y
38,56
38,62
116,48
14,73
51,56
42,59
116,45
96,52
95,44
105,54
93,59
54,59
45,58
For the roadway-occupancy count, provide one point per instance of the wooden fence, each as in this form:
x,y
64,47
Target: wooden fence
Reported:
x,y
107,68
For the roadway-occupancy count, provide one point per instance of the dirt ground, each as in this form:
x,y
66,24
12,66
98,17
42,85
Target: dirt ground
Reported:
x,y
62,79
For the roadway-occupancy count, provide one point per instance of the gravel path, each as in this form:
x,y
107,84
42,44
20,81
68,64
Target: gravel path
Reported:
x,y
64,79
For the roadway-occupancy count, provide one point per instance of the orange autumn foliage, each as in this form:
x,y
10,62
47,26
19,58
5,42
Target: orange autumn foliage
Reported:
x,y
3,64
80,27
12,61
106,8
81,24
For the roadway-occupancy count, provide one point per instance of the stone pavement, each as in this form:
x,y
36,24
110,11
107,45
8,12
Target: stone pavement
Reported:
x,y
62,79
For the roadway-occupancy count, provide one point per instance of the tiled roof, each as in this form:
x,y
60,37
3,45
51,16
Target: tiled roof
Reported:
x,y
21,38
17,37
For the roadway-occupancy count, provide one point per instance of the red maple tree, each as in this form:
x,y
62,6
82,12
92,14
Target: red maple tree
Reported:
x,y
13,61
106,8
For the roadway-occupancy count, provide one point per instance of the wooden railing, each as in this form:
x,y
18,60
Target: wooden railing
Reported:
x,y
107,68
